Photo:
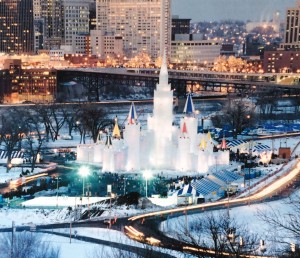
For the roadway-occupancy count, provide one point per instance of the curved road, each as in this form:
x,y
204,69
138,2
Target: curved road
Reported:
x,y
137,230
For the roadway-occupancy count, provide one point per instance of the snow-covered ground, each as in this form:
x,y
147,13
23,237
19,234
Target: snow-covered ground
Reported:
x,y
247,215
82,249
62,201
14,173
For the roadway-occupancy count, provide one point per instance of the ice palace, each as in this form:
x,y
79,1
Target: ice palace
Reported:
x,y
162,146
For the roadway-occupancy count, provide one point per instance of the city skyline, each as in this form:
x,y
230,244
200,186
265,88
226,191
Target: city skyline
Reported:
x,y
255,10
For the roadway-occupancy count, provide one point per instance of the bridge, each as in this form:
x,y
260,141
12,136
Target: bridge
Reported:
x,y
96,82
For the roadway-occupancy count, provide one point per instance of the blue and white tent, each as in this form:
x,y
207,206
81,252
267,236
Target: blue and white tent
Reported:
x,y
14,154
187,189
238,144
235,143
261,148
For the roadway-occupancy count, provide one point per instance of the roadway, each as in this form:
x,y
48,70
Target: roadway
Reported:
x,y
143,227
140,230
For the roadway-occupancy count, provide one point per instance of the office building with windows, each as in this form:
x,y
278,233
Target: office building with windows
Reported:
x,y
292,28
16,26
193,53
144,25
76,19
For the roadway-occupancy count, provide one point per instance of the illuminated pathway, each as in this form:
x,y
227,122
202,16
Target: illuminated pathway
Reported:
x,y
273,188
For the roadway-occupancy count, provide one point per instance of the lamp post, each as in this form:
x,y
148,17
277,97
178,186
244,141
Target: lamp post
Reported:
x,y
250,165
57,178
228,199
147,175
125,185
112,195
84,172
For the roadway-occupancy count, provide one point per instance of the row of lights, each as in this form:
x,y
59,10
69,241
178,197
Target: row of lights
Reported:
x,y
84,172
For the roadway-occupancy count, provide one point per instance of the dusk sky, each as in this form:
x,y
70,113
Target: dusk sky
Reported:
x,y
212,10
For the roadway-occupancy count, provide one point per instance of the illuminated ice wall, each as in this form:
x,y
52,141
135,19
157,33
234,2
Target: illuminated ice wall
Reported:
x,y
160,124
161,145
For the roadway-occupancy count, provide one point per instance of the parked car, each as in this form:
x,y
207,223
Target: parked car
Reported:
x,y
107,221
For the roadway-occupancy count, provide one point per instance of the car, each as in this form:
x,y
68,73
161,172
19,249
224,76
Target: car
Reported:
x,y
106,221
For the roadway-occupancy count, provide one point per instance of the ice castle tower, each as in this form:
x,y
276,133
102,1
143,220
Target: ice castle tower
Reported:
x,y
160,123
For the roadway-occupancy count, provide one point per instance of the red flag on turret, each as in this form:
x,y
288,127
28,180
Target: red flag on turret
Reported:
x,y
184,130
223,144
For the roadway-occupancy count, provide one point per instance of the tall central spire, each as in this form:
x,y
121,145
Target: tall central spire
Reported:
x,y
163,75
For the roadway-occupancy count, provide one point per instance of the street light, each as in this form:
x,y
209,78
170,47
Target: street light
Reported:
x,y
227,183
84,172
57,178
147,175
112,195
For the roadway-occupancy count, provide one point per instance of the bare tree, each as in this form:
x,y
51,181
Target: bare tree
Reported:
x,y
93,119
285,227
45,115
296,103
218,232
57,119
12,130
70,115
24,245
266,103
237,115
34,138
53,119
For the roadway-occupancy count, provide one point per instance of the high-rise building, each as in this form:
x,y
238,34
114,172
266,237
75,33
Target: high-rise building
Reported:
x,y
52,13
180,26
144,25
287,57
39,25
292,28
76,19
16,26
193,53
93,20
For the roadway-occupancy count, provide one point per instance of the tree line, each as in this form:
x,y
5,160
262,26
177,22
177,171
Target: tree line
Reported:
x,y
31,128
241,113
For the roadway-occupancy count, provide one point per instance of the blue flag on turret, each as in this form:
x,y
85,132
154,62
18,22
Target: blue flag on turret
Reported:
x,y
189,105
132,116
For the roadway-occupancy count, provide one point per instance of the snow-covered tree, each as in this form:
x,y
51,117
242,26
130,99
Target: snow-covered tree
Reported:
x,y
235,64
158,62
142,60
220,64
231,64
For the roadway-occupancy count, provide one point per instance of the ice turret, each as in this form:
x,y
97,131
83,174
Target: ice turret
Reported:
x,y
191,123
223,144
108,142
183,160
108,155
116,132
132,116
160,124
184,130
132,135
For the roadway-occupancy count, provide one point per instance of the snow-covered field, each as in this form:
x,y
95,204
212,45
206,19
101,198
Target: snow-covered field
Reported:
x,y
80,249
14,173
247,215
